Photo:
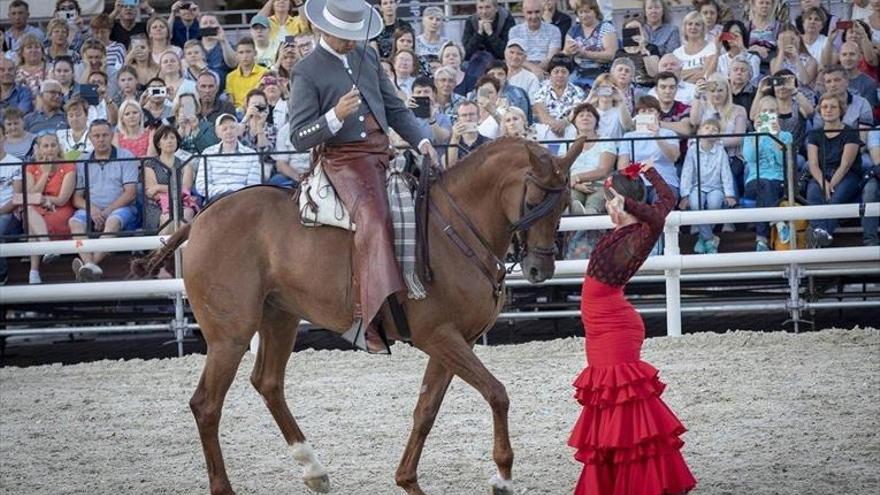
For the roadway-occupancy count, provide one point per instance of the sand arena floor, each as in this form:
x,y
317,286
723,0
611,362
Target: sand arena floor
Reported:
x,y
768,413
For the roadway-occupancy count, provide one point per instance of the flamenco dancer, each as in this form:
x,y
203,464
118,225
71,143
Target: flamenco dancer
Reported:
x,y
626,437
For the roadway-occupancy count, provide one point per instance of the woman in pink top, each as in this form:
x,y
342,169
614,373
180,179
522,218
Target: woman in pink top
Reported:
x,y
130,134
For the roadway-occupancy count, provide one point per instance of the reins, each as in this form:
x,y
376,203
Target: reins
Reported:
x,y
496,270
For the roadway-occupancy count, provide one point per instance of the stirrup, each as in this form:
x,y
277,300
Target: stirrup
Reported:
x,y
357,336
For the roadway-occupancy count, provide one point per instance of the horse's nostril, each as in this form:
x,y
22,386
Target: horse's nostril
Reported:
x,y
533,272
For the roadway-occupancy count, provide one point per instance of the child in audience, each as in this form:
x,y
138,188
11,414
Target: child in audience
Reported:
x,y
707,185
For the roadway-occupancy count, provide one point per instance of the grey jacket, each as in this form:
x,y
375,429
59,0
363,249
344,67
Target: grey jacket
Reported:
x,y
320,80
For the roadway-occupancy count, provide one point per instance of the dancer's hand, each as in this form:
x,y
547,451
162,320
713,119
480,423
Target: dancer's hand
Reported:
x,y
648,165
615,204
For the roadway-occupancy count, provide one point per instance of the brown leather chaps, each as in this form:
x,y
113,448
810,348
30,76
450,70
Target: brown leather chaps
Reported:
x,y
357,171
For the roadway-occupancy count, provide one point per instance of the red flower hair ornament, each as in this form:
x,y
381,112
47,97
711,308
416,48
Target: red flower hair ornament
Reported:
x,y
631,172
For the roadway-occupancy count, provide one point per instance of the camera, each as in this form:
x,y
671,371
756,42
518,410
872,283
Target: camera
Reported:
x,y
185,6
262,108
157,91
209,31
67,15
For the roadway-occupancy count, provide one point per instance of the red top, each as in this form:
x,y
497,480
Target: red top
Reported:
x,y
621,252
56,178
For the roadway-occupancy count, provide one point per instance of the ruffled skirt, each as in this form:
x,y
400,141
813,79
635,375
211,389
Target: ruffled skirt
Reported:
x,y
627,438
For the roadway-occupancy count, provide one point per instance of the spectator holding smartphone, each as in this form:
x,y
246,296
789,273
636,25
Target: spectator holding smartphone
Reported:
x,y
607,100
54,182
491,106
765,166
713,100
663,153
259,133
465,138
732,46
113,178
592,43
220,55
155,103
835,166
125,23
196,132
644,55
139,59
423,104
184,21
793,55
514,95
707,182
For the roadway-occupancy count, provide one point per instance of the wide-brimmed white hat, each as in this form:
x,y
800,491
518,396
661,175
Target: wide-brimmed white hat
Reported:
x,y
352,20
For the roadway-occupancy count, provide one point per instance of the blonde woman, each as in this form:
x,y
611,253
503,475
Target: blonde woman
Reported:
x,y
451,55
131,134
659,28
159,38
139,58
171,71
792,54
763,28
32,69
58,32
607,99
56,182
514,123
698,57
714,100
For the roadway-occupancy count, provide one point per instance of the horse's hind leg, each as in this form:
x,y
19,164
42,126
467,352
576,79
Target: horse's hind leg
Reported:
x,y
277,335
207,403
457,355
434,386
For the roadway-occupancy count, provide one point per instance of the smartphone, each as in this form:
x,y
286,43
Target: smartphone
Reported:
x,y
129,3
289,40
844,25
185,6
604,91
766,122
629,34
66,15
423,108
644,122
209,31
157,91
188,107
89,92
726,37
775,81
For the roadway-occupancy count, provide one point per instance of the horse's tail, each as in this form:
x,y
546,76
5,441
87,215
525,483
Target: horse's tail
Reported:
x,y
574,151
149,265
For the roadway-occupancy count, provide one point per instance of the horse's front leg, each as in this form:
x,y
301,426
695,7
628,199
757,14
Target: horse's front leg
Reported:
x,y
434,386
457,355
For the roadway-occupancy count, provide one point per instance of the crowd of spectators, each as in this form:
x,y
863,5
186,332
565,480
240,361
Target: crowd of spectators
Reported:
x,y
120,101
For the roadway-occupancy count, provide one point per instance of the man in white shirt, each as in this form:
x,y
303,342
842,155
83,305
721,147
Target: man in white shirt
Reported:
x,y
10,182
685,92
517,74
542,40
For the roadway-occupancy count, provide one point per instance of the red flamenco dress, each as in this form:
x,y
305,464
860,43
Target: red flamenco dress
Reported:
x,y
626,437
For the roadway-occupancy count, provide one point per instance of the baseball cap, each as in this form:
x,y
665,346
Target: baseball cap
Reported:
x,y
260,20
223,118
516,42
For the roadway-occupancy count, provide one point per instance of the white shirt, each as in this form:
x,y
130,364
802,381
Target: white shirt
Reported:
x,y
528,81
815,48
287,153
8,174
696,60
684,93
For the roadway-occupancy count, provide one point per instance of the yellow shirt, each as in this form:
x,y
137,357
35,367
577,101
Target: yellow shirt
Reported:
x,y
238,85
293,26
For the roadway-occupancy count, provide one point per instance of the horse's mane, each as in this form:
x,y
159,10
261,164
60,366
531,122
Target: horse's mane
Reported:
x,y
467,166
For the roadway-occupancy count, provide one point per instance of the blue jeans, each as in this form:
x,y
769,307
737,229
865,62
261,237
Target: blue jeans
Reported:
x,y
767,193
282,180
9,225
870,194
845,192
711,200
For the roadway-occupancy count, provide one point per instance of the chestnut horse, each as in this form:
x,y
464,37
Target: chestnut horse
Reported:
x,y
250,266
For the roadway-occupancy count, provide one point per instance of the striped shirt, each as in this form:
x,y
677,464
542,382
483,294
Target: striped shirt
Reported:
x,y
538,43
219,172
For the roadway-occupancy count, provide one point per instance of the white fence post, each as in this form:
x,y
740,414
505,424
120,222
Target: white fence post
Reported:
x,y
673,277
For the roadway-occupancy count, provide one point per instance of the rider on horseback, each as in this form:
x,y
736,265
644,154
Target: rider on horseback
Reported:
x,y
342,106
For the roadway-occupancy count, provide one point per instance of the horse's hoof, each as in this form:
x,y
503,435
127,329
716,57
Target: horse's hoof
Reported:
x,y
319,484
501,486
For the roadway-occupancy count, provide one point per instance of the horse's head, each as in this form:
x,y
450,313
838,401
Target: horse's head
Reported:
x,y
545,194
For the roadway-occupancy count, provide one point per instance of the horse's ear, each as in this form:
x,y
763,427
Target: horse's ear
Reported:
x,y
574,151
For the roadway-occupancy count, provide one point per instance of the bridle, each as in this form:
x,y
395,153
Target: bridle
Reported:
x,y
497,270
531,214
